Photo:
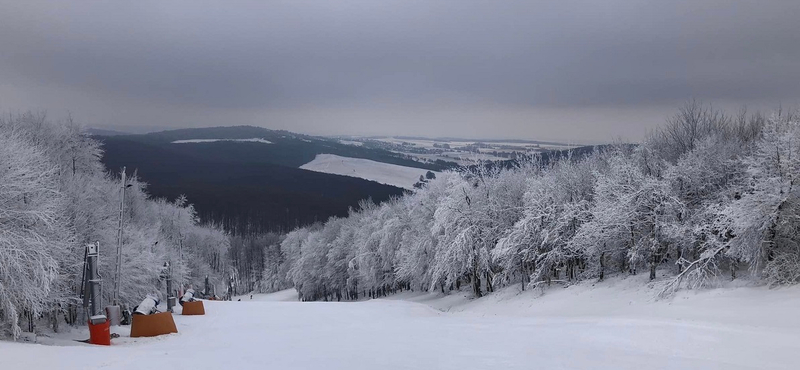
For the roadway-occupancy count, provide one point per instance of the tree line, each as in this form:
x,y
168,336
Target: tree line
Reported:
x,y
706,197
56,197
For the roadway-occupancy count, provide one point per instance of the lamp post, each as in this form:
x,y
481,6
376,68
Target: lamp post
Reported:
x,y
170,297
118,272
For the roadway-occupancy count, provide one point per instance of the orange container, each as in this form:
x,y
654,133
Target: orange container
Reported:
x,y
193,308
100,333
152,325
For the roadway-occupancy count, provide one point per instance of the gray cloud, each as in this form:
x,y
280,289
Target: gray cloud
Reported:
x,y
580,70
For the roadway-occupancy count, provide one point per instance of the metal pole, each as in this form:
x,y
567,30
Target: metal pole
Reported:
x,y
170,297
93,277
180,260
118,273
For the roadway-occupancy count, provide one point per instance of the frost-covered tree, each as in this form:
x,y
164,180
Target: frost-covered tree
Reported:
x,y
635,216
55,197
461,252
559,202
418,245
33,233
338,264
706,192
479,209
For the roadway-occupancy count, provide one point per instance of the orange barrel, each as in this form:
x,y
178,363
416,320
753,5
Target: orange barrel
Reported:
x,y
100,333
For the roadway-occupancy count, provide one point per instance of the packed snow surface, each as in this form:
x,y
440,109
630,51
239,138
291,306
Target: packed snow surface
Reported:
x,y
579,327
384,173
194,141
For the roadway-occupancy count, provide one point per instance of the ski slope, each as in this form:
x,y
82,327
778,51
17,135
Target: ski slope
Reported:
x,y
718,329
384,173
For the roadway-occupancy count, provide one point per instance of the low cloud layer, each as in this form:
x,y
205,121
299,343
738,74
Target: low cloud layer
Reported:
x,y
566,70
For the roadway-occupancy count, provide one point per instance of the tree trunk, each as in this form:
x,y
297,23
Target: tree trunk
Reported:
x,y
623,264
71,314
653,269
29,317
655,258
55,320
602,266
476,285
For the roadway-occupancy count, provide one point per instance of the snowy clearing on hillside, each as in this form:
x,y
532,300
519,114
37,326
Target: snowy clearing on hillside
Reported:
x,y
615,325
195,141
384,173
351,142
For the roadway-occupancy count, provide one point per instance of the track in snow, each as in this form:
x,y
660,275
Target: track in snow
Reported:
x,y
270,333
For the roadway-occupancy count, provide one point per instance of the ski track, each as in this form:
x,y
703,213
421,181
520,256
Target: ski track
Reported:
x,y
275,332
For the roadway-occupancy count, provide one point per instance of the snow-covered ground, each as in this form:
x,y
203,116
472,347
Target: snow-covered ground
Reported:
x,y
384,173
195,141
580,327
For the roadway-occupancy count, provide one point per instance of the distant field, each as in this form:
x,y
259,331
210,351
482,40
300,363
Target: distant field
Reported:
x,y
196,141
384,173
460,151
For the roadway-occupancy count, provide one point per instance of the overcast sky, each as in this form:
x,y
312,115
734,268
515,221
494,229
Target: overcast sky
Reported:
x,y
558,70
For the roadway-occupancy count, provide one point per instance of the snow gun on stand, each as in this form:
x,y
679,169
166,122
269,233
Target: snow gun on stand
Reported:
x,y
190,305
147,321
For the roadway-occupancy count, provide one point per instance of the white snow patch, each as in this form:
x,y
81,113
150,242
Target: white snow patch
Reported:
x,y
351,142
384,173
194,141
614,325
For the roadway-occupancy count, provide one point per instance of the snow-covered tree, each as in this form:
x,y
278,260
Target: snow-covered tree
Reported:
x,y
707,191
33,233
55,198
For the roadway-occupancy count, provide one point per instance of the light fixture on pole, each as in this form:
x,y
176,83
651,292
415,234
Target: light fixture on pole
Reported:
x,y
118,272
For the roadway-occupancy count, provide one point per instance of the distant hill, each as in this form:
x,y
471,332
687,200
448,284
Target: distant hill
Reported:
x,y
250,178
251,185
287,148
104,132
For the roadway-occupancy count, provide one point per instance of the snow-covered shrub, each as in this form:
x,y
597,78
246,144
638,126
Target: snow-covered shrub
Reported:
x,y
784,268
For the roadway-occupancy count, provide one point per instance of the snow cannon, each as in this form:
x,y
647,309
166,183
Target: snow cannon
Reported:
x,y
188,296
193,308
100,330
152,325
148,306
